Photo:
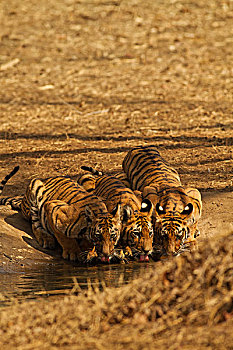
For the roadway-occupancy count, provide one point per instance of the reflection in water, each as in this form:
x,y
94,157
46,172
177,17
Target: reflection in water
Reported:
x,y
59,278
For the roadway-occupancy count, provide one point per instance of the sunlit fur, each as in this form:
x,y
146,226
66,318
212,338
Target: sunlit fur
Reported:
x,y
60,207
176,209
87,181
123,178
137,229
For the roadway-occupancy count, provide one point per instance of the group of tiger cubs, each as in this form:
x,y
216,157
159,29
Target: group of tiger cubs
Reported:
x,y
140,213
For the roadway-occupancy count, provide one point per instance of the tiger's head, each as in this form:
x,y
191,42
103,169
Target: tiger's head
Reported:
x,y
104,231
175,217
83,233
137,230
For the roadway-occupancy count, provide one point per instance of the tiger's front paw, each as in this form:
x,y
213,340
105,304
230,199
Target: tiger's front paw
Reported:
x,y
91,255
119,256
128,252
49,242
70,254
122,257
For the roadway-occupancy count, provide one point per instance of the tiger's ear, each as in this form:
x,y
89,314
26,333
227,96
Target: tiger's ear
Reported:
x,y
194,194
116,212
150,194
138,194
126,213
147,206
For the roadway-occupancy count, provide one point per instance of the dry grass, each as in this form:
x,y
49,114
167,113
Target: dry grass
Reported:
x,y
82,82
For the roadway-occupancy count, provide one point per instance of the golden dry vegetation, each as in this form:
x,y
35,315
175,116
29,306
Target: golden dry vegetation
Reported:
x,y
187,303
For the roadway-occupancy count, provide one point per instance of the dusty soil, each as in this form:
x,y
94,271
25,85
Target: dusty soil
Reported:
x,y
84,81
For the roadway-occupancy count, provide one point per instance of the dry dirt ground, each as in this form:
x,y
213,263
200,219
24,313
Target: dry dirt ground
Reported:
x,y
84,81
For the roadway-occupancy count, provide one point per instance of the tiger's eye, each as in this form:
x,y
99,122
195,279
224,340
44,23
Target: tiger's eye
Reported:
x,y
159,209
188,209
97,235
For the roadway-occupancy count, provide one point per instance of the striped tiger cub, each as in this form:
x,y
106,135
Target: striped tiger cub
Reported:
x,y
137,231
176,209
59,207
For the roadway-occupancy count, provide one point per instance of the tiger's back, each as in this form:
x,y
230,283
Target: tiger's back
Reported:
x,y
58,188
113,191
144,166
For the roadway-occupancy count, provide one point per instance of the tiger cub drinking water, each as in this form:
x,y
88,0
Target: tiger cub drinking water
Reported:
x,y
176,209
59,207
137,231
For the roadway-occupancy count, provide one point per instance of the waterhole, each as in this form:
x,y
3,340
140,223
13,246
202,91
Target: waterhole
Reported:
x,y
61,277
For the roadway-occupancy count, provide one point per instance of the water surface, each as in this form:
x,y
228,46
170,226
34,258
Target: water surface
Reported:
x,y
60,277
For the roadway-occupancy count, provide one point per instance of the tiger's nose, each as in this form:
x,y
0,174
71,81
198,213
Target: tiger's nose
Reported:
x,y
105,259
146,251
171,249
108,249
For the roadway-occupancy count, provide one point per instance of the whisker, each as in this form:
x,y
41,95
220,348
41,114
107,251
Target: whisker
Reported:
x,y
83,254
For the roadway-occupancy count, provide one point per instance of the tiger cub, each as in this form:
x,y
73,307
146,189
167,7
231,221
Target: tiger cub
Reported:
x,y
176,209
137,231
59,207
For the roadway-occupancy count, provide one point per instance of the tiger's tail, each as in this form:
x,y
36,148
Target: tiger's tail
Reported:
x,y
7,178
92,170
